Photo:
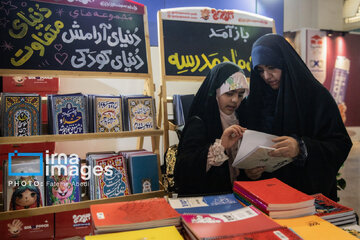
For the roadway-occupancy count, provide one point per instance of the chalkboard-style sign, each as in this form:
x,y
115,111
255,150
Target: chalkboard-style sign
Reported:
x,y
88,36
194,40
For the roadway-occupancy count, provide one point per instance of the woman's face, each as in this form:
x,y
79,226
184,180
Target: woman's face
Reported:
x,y
271,75
230,101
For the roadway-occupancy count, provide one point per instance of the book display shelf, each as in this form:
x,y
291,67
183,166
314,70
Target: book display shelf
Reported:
x,y
125,56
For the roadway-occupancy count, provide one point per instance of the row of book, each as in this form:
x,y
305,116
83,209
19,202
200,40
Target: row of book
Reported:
x,y
204,217
76,113
30,183
279,200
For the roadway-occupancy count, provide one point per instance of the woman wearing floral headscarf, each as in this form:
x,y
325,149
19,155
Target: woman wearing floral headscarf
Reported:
x,y
212,134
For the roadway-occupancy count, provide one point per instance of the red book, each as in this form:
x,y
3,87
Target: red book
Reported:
x,y
133,215
275,194
226,224
75,223
328,209
26,228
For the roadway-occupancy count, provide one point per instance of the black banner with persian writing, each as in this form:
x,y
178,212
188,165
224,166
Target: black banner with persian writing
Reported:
x,y
193,48
47,36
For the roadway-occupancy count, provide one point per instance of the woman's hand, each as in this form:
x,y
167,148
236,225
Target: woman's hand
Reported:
x,y
254,173
231,135
285,147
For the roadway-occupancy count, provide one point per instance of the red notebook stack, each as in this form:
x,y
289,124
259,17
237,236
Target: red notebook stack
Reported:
x,y
227,224
133,215
275,198
332,211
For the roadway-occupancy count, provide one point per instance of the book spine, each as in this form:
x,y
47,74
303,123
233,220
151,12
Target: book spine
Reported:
x,y
251,199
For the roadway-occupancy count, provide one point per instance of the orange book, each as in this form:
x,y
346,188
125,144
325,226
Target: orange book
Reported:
x,y
274,194
133,215
225,224
314,227
161,233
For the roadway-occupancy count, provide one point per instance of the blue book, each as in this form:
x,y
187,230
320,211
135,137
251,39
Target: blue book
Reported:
x,y
21,114
206,204
143,172
68,113
63,180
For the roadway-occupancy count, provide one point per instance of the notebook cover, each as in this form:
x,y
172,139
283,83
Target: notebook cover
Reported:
x,y
115,183
206,204
63,181
107,112
21,114
217,225
69,114
23,191
132,212
140,113
143,171
275,194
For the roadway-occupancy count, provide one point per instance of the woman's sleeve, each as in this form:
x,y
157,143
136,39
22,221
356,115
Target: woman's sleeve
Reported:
x,y
327,149
190,171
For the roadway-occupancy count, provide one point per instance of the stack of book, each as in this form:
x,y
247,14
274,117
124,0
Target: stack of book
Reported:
x,y
275,198
225,217
111,179
227,224
142,167
133,215
332,211
314,227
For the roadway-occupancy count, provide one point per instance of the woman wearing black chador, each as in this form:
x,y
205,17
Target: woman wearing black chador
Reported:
x,y
212,133
286,100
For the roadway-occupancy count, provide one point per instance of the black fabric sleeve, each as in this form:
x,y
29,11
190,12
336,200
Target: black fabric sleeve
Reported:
x,y
190,168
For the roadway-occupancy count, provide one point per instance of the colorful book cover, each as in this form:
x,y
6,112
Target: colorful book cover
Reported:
x,y
143,172
225,224
140,113
23,191
328,209
206,204
131,215
90,161
160,233
107,112
113,180
275,194
63,180
34,227
21,114
314,227
68,114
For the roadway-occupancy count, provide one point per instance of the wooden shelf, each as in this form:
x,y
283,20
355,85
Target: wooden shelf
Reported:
x,y
78,137
75,206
